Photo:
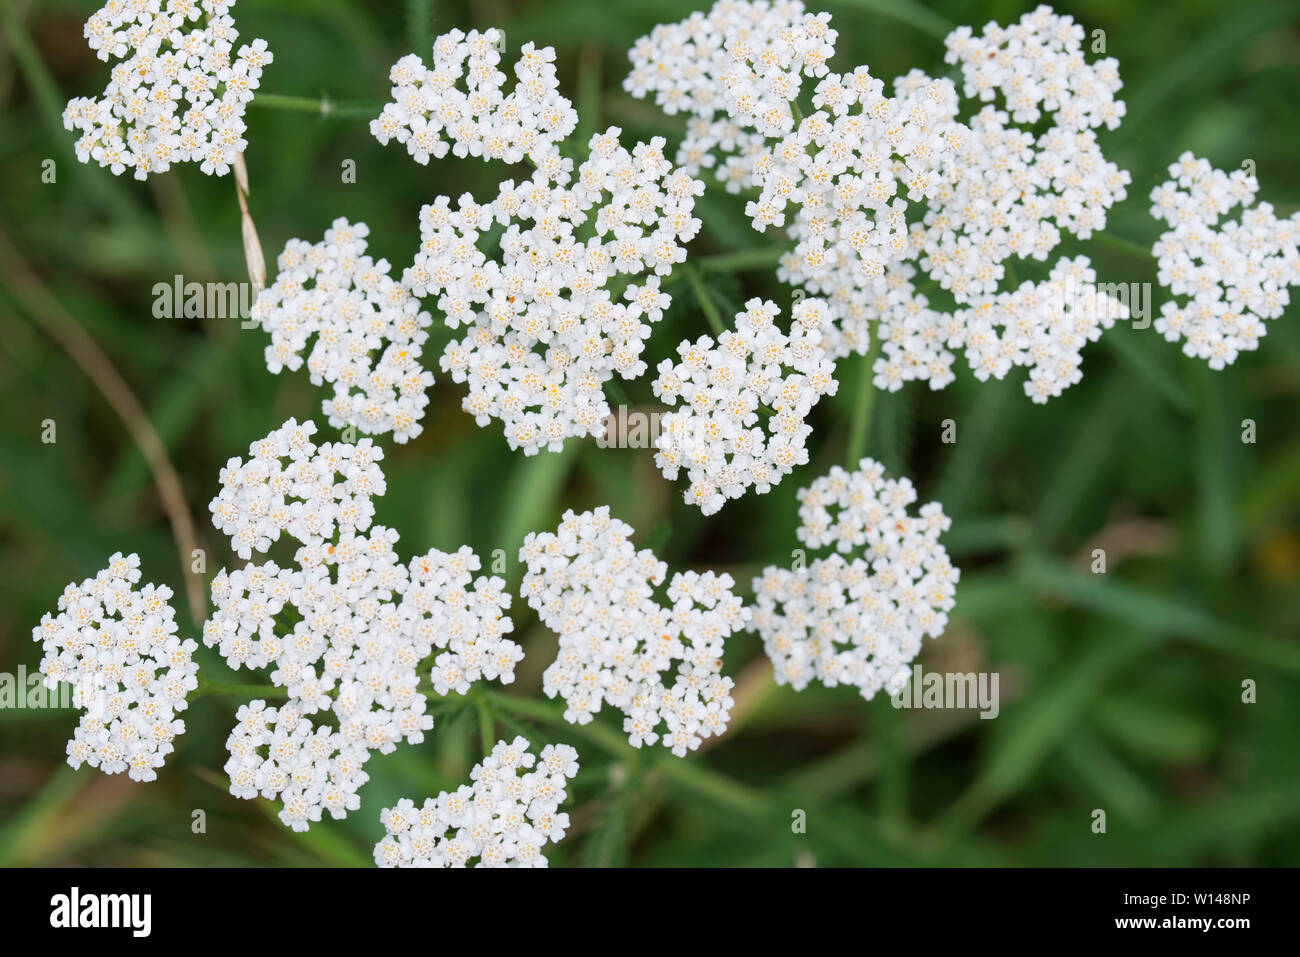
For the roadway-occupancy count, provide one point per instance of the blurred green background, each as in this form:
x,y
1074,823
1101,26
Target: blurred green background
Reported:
x,y
1120,691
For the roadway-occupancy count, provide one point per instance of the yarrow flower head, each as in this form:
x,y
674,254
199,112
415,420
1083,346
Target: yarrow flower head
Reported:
x,y
116,644
1015,191
1037,65
430,114
852,171
503,819
467,623
368,329
292,485
545,324
1234,275
344,628
719,434
1040,325
618,642
735,71
178,96
857,616
875,186
341,650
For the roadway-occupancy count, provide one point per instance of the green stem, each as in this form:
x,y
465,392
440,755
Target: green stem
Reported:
x,y
486,724
208,688
1124,245
860,424
707,305
322,106
758,258
552,712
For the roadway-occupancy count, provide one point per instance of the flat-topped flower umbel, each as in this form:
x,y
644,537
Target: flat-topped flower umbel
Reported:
x,y
503,819
618,642
716,433
345,628
178,96
882,187
367,332
1234,275
116,644
431,114
857,620
569,301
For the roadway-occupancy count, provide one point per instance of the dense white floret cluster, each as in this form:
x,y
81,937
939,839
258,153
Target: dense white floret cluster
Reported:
x,y
290,485
503,819
116,645
744,403
850,172
618,643
178,96
857,616
343,629
431,114
1038,66
463,617
1014,191
367,332
1232,275
1042,326
332,633
730,69
545,327
875,187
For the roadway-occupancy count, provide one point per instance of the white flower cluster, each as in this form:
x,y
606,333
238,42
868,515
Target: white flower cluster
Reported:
x,y
467,624
850,170
503,820
873,188
1042,326
545,328
858,620
719,435
1038,66
344,629
617,642
331,630
318,490
1234,275
130,673
1015,191
368,332
178,96
705,66
430,114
